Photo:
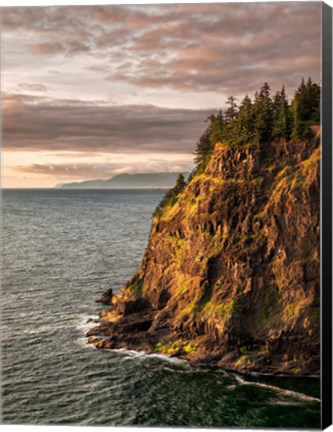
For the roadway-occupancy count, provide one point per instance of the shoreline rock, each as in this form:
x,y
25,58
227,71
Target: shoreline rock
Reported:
x,y
106,338
106,297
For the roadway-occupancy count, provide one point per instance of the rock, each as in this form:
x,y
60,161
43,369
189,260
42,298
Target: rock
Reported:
x,y
92,320
93,340
132,306
230,274
106,297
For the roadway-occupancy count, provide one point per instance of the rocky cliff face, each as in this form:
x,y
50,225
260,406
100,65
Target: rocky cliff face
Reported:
x,y
230,275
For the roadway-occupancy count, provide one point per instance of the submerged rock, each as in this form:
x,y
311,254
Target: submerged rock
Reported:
x,y
230,275
92,320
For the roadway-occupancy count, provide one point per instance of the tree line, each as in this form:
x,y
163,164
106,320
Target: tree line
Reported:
x,y
260,121
265,119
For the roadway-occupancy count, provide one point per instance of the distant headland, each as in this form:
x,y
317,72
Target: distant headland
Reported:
x,y
161,180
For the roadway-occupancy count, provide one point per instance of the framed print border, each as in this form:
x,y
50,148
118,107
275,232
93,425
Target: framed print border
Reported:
x,y
326,209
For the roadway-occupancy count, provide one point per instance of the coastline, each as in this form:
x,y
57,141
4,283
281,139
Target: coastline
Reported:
x,y
174,358
233,287
126,334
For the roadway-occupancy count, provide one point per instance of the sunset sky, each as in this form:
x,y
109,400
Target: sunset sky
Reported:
x,y
93,91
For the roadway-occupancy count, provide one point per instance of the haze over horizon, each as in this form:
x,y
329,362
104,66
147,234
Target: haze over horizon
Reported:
x,y
93,91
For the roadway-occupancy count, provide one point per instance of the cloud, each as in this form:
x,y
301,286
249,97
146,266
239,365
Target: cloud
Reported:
x,y
46,48
75,155
231,51
226,47
81,171
45,124
75,170
63,67
32,87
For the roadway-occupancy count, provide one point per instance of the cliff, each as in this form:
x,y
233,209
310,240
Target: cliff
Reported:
x,y
230,275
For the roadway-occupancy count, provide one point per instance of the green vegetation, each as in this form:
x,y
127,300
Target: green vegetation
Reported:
x,y
207,141
305,109
250,349
170,198
225,310
282,119
261,121
136,286
172,348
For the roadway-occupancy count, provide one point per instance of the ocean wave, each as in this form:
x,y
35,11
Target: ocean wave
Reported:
x,y
284,392
84,325
136,354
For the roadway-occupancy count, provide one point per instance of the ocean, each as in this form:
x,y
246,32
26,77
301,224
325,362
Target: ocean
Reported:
x,y
61,250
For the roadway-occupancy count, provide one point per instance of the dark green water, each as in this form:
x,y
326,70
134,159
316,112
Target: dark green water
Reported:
x,y
61,250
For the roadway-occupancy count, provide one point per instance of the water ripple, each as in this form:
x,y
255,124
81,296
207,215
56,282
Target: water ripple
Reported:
x,y
62,249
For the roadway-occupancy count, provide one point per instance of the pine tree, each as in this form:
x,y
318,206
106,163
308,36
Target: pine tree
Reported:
x,y
260,122
305,108
281,116
231,112
204,148
180,184
217,128
244,130
263,110
170,198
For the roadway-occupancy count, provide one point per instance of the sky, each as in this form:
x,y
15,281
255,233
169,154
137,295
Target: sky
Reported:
x,y
93,91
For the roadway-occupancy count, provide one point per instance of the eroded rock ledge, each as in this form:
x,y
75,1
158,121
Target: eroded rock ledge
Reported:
x,y
230,275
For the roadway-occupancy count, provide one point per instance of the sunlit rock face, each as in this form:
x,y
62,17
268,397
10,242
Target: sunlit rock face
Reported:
x,y
231,273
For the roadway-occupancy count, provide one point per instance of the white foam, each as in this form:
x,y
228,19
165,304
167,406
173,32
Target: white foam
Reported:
x,y
280,390
231,387
82,342
84,325
133,354
168,358
285,403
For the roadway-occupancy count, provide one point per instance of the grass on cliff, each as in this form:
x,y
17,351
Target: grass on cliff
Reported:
x,y
180,346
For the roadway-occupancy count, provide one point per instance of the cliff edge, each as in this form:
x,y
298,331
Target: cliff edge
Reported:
x,y
231,273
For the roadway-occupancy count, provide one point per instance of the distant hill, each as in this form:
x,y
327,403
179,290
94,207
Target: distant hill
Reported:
x,y
129,181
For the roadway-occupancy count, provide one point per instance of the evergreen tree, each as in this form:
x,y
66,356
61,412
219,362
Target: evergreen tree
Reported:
x,y
261,121
314,96
231,112
281,116
263,111
180,184
244,126
217,128
305,109
204,149
191,176
170,198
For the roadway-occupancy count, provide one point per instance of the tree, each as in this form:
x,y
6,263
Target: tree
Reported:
x,y
217,128
305,108
204,149
243,131
171,197
261,121
231,112
281,116
180,184
263,111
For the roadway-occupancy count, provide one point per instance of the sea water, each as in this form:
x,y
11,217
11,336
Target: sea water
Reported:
x,y
61,250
